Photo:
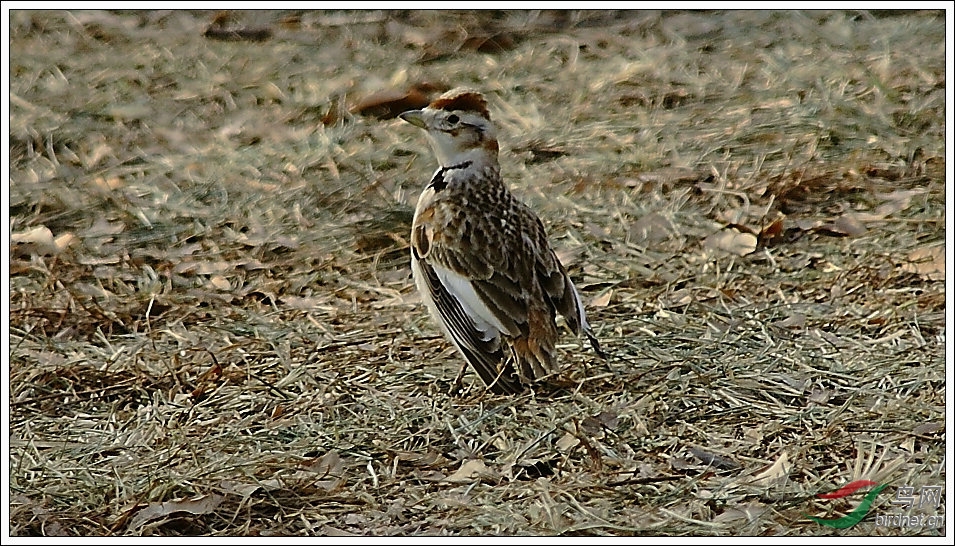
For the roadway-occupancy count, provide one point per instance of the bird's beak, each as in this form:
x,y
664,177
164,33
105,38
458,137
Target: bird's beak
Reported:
x,y
414,117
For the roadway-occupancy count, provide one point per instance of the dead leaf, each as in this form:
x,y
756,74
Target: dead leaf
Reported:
x,y
219,29
448,42
39,241
678,298
609,419
819,394
497,42
927,262
749,511
429,475
896,201
388,103
329,464
199,505
538,151
928,428
776,472
592,427
48,519
714,459
771,234
847,225
471,470
602,300
732,241
238,488
753,434
220,282
423,460
567,442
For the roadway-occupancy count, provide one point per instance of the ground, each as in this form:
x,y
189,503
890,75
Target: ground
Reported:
x,y
213,329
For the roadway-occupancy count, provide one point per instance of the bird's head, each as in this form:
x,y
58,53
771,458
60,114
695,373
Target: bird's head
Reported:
x,y
459,127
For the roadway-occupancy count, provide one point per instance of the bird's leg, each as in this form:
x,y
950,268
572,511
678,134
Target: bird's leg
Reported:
x,y
457,386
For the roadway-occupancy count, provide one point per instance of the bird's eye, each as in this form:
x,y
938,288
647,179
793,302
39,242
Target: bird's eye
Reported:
x,y
453,118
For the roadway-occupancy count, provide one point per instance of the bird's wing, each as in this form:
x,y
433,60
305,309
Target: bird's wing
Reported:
x,y
501,271
476,338
480,289
559,289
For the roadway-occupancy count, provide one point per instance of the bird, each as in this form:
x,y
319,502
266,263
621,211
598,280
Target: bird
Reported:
x,y
480,257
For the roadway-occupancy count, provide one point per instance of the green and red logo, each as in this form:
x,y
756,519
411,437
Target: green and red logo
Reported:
x,y
856,515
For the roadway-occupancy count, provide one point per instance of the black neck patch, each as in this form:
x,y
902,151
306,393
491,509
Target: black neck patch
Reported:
x,y
438,183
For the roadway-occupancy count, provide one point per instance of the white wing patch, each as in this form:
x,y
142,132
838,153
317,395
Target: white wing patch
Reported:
x,y
477,339
581,314
460,287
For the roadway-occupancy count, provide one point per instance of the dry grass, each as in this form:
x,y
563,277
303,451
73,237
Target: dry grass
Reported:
x,y
224,339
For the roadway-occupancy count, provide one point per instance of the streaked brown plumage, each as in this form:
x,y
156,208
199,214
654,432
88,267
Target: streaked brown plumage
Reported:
x,y
480,257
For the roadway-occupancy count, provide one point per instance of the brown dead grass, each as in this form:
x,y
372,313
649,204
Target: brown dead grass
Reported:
x,y
219,336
